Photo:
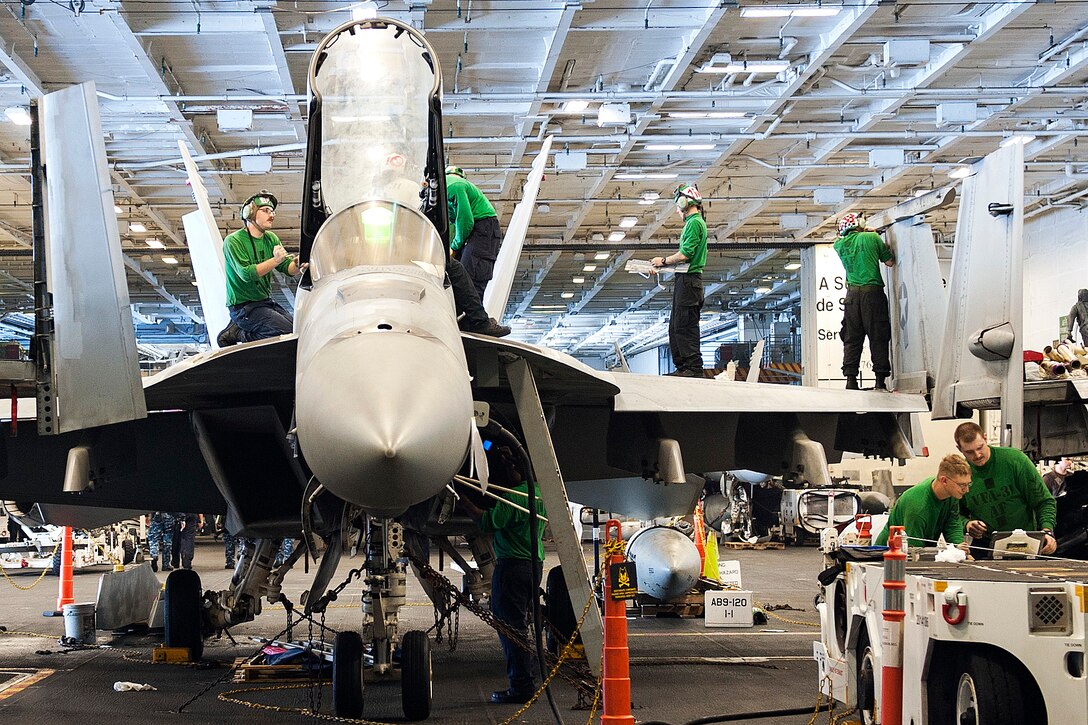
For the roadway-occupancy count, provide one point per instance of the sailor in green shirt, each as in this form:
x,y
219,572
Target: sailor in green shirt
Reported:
x,y
474,235
1007,492
251,253
866,311
929,508
687,291
518,565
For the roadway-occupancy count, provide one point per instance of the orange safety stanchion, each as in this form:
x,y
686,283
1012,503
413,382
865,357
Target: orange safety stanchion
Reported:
x,y
65,596
615,663
895,586
700,534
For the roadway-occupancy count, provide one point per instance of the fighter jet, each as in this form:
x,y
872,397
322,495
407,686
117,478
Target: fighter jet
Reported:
x,y
363,417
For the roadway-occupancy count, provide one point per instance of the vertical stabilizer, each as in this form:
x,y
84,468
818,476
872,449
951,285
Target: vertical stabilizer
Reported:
x,y
96,374
982,360
206,250
916,295
498,289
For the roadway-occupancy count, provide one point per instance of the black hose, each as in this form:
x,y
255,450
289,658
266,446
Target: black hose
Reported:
x,y
761,715
536,566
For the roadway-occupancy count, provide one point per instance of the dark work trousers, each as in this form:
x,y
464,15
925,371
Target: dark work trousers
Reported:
x,y
260,320
465,298
480,251
185,541
687,303
866,313
511,583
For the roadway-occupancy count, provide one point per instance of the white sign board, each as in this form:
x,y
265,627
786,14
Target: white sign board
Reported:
x,y
729,574
830,303
728,608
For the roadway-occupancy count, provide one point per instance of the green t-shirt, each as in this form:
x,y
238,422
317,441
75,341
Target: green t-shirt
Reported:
x,y
242,252
466,204
1008,493
511,526
861,254
924,516
693,242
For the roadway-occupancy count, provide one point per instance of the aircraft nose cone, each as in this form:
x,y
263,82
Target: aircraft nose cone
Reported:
x,y
383,418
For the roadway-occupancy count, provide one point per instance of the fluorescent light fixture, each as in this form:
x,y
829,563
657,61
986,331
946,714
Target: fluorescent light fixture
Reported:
x,y
707,114
136,227
648,197
785,11
19,115
762,290
154,243
599,256
960,172
765,12
792,265
548,307
1019,138
579,280
617,236
640,175
589,268
566,295
628,221
678,147
170,260
575,107
918,193
749,66
118,210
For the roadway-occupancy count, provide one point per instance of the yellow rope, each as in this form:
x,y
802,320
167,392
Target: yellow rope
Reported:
x,y
779,617
40,576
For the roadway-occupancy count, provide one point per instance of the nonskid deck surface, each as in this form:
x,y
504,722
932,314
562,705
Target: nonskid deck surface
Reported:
x,y
679,669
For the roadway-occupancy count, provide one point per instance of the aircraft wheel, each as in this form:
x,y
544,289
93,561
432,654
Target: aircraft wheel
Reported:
x,y
560,613
181,612
129,550
415,676
347,675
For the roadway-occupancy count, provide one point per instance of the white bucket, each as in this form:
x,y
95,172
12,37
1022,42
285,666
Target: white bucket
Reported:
x,y
79,622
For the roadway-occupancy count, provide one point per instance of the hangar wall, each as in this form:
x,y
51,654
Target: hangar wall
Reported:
x,y
1055,267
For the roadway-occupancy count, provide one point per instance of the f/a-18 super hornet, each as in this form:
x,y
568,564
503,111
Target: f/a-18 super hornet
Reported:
x,y
363,417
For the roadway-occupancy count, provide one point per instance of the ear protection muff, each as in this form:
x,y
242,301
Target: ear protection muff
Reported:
x,y
250,205
687,195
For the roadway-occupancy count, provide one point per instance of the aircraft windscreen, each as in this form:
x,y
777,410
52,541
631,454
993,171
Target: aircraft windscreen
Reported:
x,y
375,86
377,233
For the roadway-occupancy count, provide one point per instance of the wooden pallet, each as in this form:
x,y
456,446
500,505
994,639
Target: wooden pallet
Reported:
x,y
251,670
758,546
689,606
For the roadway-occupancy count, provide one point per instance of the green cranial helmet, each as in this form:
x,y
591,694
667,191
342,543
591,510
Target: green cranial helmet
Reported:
x,y
688,195
456,171
255,202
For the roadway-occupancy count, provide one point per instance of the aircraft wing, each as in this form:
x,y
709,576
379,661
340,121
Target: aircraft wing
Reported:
x,y
635,443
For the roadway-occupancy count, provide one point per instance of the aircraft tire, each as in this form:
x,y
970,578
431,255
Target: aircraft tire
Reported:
x,y
560,613
415,676
181,612
347,675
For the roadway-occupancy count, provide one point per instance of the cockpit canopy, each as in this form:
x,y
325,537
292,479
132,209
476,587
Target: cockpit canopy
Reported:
x,y
377,233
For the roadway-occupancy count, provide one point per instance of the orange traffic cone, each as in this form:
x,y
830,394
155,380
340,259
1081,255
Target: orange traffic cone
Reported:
x,y
65,595
700,533
615,664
